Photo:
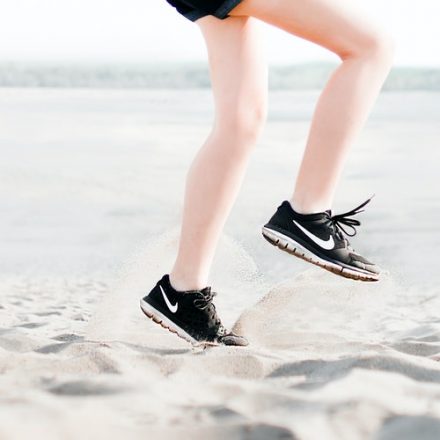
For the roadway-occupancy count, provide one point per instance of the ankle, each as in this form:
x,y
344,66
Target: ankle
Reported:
x,y
306,208
181,284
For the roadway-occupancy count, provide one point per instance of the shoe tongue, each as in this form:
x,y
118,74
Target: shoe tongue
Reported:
x,y
206,290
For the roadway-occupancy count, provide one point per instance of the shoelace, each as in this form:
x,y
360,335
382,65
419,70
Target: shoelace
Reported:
x,y
204,302
344,219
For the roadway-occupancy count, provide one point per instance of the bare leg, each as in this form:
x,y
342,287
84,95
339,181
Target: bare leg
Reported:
x,y
344,105
239,82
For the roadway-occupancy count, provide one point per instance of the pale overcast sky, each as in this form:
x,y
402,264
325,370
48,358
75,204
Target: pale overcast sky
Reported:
x,y
150,30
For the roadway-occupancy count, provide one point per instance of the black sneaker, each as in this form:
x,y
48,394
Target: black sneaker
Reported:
x,y
190,314
318,238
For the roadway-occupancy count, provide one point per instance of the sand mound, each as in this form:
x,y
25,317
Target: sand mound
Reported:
x,y
329,357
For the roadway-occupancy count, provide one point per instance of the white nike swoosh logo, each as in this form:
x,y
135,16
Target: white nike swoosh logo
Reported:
x,y
325,244
173,308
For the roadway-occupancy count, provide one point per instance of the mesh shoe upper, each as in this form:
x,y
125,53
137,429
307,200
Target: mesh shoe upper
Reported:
x,y
193,311
323,233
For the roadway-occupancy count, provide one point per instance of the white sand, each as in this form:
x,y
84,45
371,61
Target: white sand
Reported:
x,y
85,232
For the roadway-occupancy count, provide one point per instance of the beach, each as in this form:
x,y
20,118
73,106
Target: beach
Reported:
x,y
91,198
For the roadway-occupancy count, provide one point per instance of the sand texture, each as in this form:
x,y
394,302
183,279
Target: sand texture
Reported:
x,y
91,200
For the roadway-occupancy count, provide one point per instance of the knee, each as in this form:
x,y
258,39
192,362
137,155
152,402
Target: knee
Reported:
x,y
381,46
243,122
376,45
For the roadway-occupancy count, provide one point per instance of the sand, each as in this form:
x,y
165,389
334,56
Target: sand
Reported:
x,y
86,229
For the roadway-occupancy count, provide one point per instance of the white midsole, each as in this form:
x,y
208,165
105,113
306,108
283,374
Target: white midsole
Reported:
x,y
292,245
149,309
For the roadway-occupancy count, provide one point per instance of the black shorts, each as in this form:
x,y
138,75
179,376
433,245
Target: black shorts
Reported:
x,y
195,9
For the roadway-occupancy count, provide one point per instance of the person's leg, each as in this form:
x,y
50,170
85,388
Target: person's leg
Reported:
x,y
239,83
366,53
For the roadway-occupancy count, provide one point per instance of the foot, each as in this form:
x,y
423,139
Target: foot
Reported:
x,y
318,238
190,314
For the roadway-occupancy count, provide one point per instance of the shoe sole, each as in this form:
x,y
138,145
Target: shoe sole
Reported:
x,y
287,244
169,325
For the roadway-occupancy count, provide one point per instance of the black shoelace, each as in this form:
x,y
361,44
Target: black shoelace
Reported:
x,y
344,219
203,301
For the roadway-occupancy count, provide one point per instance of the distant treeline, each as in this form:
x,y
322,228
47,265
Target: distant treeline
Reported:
x,y
189,75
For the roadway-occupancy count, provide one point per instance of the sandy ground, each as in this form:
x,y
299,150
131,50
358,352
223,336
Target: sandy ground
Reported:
x,y
91,191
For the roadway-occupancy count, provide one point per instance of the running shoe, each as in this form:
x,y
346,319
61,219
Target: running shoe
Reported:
x,y
319,239
190,314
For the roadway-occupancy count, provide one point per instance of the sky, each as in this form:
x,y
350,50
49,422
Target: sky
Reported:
x,y
139,31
